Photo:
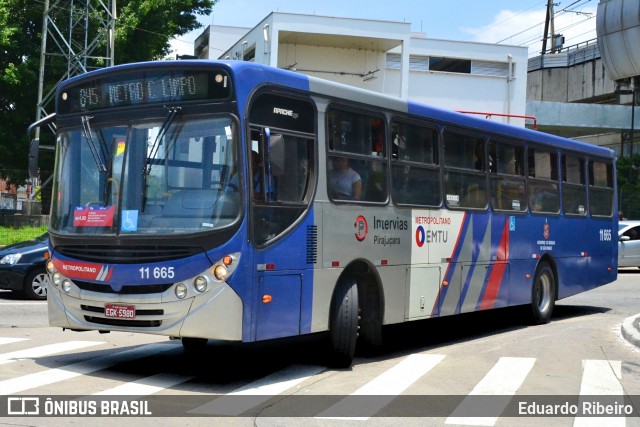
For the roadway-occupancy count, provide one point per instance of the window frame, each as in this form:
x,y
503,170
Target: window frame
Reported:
x,y
458,170
591,184
572,185
396,162
533,181
366,159
518,145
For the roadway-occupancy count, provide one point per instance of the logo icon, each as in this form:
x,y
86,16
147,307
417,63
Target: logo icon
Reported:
x,y
545,232
23,406
420,236
362,228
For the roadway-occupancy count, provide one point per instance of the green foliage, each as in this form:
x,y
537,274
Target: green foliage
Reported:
x,y
144,29
629,186
9,235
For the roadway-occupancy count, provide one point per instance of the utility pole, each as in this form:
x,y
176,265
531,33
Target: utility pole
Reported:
x,y
548,22
67,31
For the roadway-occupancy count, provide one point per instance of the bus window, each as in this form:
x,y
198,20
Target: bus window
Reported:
x,y
356,166
574,188
465,184
506,177
543,181
600,188
281,158
415,165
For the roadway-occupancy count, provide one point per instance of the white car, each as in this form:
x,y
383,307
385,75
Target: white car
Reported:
x,y
629,244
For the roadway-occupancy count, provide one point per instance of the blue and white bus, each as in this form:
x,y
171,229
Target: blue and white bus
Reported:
x,y
234,201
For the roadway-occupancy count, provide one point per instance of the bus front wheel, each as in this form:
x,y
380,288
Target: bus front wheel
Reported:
x,y
343,331
543,294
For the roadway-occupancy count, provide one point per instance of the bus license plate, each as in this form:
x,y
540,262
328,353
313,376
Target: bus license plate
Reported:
x,y
117,311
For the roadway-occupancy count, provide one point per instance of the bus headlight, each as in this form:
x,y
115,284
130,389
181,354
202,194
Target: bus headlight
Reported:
x,y
50,267
200,283
181,290
66,286
57,278
220,272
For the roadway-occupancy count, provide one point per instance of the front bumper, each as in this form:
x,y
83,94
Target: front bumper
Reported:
x,y
214,314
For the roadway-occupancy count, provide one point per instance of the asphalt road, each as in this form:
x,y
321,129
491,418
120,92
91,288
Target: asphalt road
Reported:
x,y
425,374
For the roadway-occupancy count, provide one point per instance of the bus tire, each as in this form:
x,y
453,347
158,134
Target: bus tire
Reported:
x,y
193,345
543,294
343,328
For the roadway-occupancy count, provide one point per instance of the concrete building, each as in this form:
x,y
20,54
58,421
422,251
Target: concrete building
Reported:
x,y
571,94
385,57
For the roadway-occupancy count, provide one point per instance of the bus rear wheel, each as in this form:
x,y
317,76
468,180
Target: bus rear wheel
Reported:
x,y
543,294
343,331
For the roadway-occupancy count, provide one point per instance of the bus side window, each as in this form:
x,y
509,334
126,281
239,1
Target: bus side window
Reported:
x,y
600,188
356,166
574,188
543,181
415,167
506,179
465,178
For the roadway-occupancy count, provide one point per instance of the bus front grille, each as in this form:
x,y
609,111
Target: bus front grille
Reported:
x,y
94,309
138,322
124,322
127,255
122,290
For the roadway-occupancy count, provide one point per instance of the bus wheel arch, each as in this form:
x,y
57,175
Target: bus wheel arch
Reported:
x,y
356,312
544,290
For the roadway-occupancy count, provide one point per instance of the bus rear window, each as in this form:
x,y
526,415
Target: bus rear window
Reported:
x,y
600,188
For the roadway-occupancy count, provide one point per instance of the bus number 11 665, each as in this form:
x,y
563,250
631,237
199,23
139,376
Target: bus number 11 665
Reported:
x,y
157,273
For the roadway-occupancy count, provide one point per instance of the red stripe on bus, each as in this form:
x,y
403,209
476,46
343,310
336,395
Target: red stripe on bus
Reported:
x,y
455,247
497,272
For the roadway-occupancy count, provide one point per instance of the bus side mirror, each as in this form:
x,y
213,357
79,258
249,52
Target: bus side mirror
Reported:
x,y
34,148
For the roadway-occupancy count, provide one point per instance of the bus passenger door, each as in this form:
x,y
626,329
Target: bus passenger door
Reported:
x,y
279,311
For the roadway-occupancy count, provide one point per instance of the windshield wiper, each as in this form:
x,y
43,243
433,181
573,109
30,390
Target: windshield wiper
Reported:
x,y
173,112
97,154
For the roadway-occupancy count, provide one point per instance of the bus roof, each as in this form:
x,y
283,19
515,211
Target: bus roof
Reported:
x,y
261,74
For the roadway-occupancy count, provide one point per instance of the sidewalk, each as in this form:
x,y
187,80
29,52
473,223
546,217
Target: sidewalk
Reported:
x,y
630,329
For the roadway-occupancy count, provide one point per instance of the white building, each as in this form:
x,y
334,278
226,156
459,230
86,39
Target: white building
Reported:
x,y
385,57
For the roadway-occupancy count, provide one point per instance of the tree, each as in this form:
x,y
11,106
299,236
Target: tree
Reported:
x,y
144,29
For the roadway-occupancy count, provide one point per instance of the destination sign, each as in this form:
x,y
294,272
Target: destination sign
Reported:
x,y
144,87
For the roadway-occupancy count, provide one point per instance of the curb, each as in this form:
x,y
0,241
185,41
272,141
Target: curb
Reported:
x,y
630,330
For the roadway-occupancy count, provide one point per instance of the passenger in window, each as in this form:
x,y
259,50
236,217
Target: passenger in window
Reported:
x,y
344,182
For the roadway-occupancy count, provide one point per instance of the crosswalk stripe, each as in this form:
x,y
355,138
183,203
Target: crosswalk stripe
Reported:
x,y
385,387
503,379
51,376
259,391
600,378
7,340
46,350
145,386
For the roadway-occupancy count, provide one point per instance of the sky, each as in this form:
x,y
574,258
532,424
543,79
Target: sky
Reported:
x,y
516,22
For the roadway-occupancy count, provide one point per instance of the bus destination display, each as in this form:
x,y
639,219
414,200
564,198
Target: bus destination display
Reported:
x,y
151,87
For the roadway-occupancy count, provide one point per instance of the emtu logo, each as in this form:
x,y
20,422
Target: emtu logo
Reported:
x,y
362,228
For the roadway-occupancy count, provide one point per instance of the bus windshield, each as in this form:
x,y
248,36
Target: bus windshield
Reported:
x,y
168,176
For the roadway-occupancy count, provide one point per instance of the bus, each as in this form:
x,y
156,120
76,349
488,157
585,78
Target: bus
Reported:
x,y
227,200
